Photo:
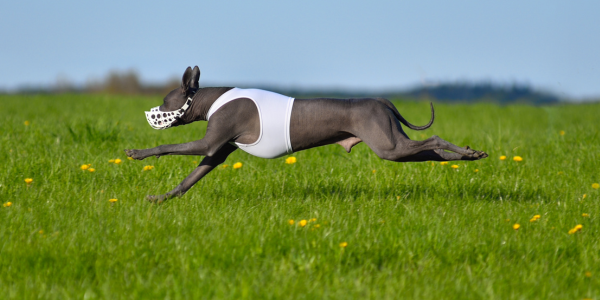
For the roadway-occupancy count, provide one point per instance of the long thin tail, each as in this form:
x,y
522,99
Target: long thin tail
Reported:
x,y
406,123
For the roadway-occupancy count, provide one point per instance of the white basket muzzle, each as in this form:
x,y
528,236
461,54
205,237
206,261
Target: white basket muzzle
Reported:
x,y
164,119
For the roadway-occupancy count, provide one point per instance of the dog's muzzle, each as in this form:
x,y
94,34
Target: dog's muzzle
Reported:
x,y
164,119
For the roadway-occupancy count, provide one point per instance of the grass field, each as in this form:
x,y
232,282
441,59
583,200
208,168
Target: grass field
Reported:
x,y
410,230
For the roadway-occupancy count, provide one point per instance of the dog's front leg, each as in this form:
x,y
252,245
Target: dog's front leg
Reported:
x,y
205,166
200,147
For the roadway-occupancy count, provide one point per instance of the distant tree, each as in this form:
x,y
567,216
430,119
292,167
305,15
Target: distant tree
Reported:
x,y
123,83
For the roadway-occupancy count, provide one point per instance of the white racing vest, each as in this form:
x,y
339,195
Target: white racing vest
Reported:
x,y
274,112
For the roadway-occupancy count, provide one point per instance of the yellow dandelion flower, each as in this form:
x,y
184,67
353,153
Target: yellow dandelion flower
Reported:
x,y
118,161
503,157
290,160
92,170
595,185
374,171
588,274
562,132
476,170
291,222
516,226
111,161
584,195
26,123
28,180
533,220
313,220
443,163
129,157
575,229
302,223
112,200
237,165
224,166
517,158
397,197
317,226
7,204
537,217
454,166
344,244
41,232
585,215
85,167
148,168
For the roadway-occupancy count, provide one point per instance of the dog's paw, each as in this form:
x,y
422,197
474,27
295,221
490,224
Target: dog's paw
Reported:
x,y
474,154
158,199
479,155
135,154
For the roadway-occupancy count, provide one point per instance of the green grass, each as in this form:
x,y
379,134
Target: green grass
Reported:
x,y
414,230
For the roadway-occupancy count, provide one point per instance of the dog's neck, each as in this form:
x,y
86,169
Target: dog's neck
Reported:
x,y
202,101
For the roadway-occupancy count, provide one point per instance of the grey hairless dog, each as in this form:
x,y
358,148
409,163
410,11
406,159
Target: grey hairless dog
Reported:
x,y
313,122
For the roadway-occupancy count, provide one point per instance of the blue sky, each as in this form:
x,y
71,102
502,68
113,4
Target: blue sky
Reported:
x,y
355,45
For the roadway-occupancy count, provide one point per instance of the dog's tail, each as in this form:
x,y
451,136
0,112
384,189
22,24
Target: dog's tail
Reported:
x,y
403,120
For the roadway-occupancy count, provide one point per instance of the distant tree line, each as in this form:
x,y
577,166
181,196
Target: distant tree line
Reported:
x,y
129,83
115,82
449,92
475,92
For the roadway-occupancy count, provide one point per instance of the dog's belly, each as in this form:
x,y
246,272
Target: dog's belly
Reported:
x,y
319,122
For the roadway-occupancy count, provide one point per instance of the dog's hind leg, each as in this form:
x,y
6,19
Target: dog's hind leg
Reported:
x,y
405,149
434,155
206,165
385,137
437,143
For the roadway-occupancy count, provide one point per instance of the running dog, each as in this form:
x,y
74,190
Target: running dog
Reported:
x,y
270,125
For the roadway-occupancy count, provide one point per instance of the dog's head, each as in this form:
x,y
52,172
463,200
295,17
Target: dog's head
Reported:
x,y
176,102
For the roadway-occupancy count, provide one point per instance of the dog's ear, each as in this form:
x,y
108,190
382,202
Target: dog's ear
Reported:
x,y
195,81
185,80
